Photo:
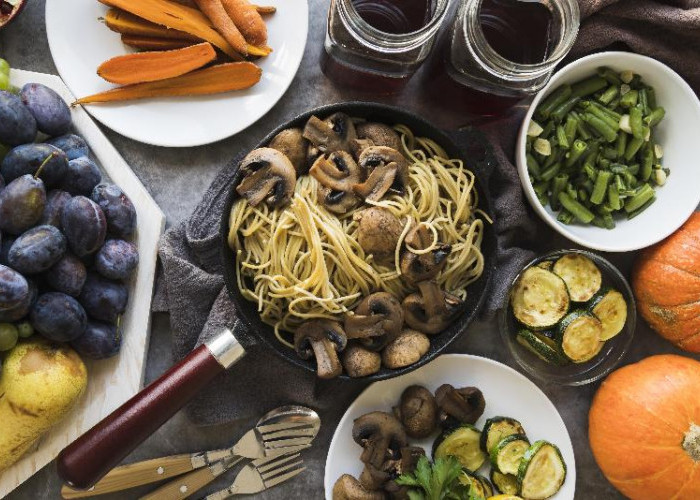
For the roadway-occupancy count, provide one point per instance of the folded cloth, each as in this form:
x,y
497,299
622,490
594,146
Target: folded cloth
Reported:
x,y
191,287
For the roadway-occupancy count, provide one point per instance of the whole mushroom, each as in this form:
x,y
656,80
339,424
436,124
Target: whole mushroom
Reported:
x,y
349,488
459,406
417,411
422,266
406,349
336,174
335,133
291,143
378,232
387,169
361,362
376,321
267,175
322,339
431,310
381,436
380,134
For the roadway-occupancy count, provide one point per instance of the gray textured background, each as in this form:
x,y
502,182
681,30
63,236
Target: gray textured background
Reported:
x,y
177,178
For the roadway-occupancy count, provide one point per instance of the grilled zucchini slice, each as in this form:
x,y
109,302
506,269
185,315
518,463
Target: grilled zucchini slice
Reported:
x,y
579,336
479,486
581,275
505,483
463,444
546,265
497,428
539,298
610,308
508,452
488,488
542,471
541,346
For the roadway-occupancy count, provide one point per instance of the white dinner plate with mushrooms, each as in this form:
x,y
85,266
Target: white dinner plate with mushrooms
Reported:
x,y
506,392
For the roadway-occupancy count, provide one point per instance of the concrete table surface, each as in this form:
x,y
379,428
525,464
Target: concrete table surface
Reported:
x,y
177,178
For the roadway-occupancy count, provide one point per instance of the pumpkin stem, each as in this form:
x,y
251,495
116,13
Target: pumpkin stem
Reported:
x,y
691,442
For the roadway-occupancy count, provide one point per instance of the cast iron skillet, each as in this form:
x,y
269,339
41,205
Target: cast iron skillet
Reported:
x,y
469,146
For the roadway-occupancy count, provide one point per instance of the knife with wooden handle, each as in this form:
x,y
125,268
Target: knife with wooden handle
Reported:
x,y
85,461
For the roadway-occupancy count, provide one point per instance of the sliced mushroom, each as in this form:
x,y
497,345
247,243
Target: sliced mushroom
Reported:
x,y
349,488
407,465
431,310
381,436
361,362
377,320
406,349
420,267
378,232
332,134
268,176
291,142
337,171
387,169
459,406
338,202
380,134
417,411
322,339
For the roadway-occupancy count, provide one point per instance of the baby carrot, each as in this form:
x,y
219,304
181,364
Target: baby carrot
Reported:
x,y
247,19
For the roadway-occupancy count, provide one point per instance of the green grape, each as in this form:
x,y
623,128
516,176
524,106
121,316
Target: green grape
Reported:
x,y
25,329
8,336
4,81
4,67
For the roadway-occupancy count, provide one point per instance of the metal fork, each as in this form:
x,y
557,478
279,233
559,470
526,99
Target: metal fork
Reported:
x,y
262,474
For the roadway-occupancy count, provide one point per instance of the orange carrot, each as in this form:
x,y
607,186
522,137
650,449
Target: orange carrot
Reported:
x,y
129,24
265,10
153,43
214,10
153,66
213,80
247,19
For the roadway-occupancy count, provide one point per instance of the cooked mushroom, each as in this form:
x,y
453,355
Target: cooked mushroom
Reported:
x,y
380,134
291,142
406,349
338,202
377,320
381,436
422,266
417,411
431,310
387,169
409,460
332,134
378,232
349,488
337,171
361,362
459,406
323,339
372,478
267,175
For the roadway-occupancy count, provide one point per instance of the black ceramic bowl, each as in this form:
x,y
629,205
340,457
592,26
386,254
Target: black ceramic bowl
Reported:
x,y
469,146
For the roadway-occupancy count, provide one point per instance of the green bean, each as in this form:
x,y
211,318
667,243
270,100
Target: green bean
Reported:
x,y
604,221
602,128
547,130
570,128
633,146
636,122
583,195
603,163
561,137
610,75
603,209
566,217
590,171
587,185
533,166
633,169
558,185
571,191
618,168
629,100
636,82
577,149
610,94
549,173
630,179
641,209
553,158
557,97
655,117
580,126
621,144
600,187
576,208
588,86
614,103
642,196
643,103
541,189
651,98
563,109
614,197
647,162
609,120
610,153
614,115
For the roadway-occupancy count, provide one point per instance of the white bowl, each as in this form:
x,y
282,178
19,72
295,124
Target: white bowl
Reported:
x,y
678,133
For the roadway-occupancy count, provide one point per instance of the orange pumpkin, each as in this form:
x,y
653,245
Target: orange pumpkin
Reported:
x,y
666,284
644,428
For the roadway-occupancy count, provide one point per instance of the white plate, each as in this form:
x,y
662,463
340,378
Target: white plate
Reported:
x,y
79,43
677,133
112,381
506,391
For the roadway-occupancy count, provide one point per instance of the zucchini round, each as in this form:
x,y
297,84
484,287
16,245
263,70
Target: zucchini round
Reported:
x,y
581,275
546,265
610,308
497,428
539,298
542,471
463,444
541,346
579,336
479,486
507,453
505,483
488,488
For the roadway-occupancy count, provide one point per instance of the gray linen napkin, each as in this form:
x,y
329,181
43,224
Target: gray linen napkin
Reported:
x,y
191,286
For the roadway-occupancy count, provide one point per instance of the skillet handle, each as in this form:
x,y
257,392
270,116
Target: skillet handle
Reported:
x,y
82,463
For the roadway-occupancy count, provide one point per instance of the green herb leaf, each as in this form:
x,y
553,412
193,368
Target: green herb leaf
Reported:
x,y
439,481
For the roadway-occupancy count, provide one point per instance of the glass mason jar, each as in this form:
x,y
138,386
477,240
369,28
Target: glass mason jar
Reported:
x,y
473,62
358,55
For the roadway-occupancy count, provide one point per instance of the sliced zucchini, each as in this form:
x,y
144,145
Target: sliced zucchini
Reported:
x,y
463,444
542,471
546,265
507,453
541,346
505,483
579,336
476,484
581,275
488,488
496,428
539,298
610,308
